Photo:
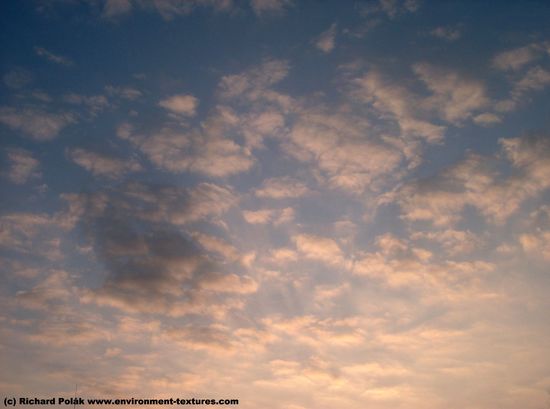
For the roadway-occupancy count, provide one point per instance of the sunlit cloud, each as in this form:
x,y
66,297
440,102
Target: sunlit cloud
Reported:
x,y
297,205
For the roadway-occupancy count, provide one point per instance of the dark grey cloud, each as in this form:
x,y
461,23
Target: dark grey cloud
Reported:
x,y
139,234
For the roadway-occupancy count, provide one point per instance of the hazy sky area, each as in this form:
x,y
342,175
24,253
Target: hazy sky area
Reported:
x,y
298,204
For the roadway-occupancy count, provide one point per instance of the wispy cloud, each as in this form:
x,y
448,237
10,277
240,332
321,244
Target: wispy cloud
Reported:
x,y
23,166
55,58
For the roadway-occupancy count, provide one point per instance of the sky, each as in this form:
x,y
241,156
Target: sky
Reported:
x,y
298,204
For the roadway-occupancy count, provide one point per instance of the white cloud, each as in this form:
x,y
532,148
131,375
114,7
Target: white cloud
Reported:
x,y
327,40
35,122
23,166
182,104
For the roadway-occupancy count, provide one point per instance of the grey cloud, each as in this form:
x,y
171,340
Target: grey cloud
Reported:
x,y
152,264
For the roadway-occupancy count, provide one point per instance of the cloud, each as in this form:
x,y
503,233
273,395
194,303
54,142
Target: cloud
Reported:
x,y
114,8
340,146
391,8
181,104
259,125
228,283
217,245
213,338
447,33
536,245
399,263
319,248
487,119
454,242
258,216
152,265
535,79
23,166
263,7
253,82
37,123
94,103
168,9
327,40
55,58
128,93
456,98
17,78
54,291
264,216
517,58
475,181
203,150
36,236
282,188
102,165
389,98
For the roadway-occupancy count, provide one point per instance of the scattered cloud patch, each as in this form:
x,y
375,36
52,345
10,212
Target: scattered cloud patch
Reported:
x,y
447,33
327,40
23,166
181,104
265,7
102,165
35,122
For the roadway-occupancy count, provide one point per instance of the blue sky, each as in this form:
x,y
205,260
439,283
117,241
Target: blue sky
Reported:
x,y
298,204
